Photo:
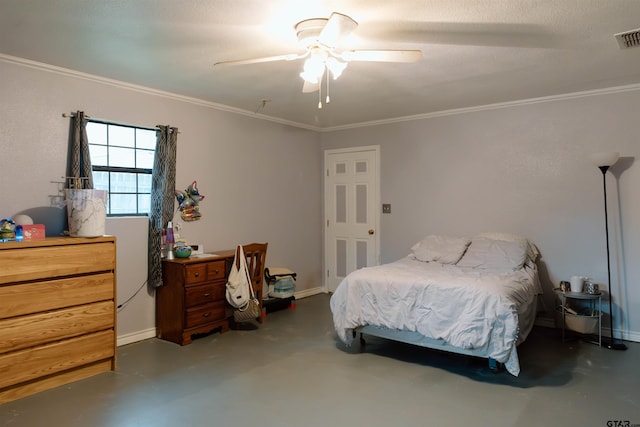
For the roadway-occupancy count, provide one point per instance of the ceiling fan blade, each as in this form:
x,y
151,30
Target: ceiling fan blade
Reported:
x,y
338,27
310,87
463,34
382,55
289,57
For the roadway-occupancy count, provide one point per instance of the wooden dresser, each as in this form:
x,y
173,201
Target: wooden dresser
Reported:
x,y
57,312
192,297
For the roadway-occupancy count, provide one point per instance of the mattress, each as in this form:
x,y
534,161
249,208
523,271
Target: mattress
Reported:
x,y
477,311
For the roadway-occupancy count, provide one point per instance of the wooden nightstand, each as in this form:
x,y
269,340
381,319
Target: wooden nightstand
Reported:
x,y
192,298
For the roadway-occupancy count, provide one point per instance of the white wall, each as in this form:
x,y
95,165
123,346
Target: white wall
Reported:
x,y
524,169
261,180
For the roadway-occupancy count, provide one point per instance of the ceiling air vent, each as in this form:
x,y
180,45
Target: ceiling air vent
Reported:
x,y
628,39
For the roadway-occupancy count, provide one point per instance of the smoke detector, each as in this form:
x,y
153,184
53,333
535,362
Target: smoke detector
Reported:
x,y
628,39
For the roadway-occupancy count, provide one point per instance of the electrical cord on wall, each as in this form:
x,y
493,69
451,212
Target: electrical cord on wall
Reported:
x,y
122,306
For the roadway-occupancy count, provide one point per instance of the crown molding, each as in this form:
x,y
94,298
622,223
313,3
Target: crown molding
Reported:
x,y
499,105
147,90
222,107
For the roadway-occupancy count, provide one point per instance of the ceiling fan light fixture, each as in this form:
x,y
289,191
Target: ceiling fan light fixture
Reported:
x,y
336,67
314,66
310,77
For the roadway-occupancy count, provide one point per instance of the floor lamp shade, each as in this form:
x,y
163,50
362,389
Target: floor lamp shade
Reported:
x,y
603,161
608,158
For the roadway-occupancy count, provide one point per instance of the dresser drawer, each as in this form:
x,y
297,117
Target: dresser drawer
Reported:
x,y
201,294
27,298
204,314
29,364
21,332
216,270
33,263
196,273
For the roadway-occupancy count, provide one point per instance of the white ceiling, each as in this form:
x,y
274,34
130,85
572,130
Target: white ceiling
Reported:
x,y
475,52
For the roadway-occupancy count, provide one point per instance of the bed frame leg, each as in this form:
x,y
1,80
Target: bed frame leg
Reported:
x,y
495,366
354,334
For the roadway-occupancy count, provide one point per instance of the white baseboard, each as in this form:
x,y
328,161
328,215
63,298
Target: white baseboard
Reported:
x,y
634,336
309,292
628,335
136,336
540,321
151,332
546,322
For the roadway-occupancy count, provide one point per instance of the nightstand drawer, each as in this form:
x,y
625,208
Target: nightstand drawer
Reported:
x,y
203,314
196,273
216,270
201,294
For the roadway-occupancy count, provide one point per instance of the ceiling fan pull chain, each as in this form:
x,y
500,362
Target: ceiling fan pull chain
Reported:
x,y
320,95
328,100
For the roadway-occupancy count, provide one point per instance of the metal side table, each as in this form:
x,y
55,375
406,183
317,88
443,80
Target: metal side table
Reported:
x,y
582,323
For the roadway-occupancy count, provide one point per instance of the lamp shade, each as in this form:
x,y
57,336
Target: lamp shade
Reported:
x,y
608,158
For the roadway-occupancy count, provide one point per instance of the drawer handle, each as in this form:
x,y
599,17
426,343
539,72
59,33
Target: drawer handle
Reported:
x,y
207,294
216,271
206,314
197,274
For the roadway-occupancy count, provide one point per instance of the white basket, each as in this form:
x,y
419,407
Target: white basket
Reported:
x,y
579,323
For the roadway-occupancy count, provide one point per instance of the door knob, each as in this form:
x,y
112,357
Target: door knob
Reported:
x,y
371,231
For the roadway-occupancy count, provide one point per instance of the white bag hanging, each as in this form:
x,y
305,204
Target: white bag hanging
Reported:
x,y
239,290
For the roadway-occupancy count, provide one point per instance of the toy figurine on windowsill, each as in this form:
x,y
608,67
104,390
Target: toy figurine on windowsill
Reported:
x,y
188,202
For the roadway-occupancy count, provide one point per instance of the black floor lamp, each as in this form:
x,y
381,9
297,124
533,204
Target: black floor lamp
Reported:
x,y
604,161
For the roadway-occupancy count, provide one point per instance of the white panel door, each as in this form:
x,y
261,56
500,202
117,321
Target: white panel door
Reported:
x,y
351,215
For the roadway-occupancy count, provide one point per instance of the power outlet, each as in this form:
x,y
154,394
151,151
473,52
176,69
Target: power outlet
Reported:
x,y
386,208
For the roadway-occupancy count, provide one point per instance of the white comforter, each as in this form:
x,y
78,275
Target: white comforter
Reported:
x,y
467,308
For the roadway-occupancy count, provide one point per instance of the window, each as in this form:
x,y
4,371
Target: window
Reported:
x,y
122,161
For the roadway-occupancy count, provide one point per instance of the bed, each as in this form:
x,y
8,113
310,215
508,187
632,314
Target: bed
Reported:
x,y
475,296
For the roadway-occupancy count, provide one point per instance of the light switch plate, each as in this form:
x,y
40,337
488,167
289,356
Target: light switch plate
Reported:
x,y
386,208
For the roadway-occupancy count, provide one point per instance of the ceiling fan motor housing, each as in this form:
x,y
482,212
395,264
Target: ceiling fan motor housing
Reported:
x,y
308,31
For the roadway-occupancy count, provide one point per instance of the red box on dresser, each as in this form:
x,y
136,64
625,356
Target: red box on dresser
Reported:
x,y
33,232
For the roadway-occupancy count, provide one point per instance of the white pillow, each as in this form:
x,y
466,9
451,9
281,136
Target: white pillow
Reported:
x,y
442,249
532,250
494,254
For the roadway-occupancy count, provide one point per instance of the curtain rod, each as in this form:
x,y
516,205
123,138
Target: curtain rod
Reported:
x,y
109,122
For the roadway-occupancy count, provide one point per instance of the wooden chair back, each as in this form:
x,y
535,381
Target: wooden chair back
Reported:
x,y
256,253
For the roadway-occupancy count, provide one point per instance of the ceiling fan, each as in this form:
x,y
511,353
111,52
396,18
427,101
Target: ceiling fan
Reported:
x,y
320,37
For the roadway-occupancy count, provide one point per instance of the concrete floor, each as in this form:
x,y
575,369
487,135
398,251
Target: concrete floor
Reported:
x,y
291,371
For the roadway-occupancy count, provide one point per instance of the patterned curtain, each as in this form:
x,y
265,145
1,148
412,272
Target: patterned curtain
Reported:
x,y
163,185
79,159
